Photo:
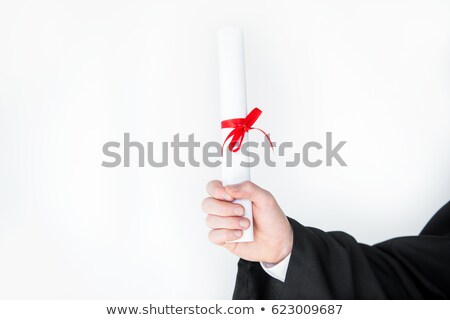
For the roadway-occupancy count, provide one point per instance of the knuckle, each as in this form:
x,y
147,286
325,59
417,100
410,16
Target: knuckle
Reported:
x,y
208,186
211,186
248,185
269,198
215,193
212,236
204,204
215,185
268,195
208,220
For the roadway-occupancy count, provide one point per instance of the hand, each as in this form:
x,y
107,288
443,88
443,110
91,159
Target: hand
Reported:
x,y
273,235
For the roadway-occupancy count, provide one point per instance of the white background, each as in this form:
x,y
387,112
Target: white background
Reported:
x,y
76,74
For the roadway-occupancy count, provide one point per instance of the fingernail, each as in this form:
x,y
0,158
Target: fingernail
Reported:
x,y
238,233
228,197
233,187
239,211
244,223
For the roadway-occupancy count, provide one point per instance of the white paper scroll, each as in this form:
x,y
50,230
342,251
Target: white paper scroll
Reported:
x,y
233,104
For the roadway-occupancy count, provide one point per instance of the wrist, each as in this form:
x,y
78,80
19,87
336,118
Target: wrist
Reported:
x,y
283,249
286,249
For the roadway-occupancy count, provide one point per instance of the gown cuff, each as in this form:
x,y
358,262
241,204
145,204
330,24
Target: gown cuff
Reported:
x,y
277,271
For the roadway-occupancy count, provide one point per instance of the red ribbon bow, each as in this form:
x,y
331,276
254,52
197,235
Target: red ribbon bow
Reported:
x,y
240,127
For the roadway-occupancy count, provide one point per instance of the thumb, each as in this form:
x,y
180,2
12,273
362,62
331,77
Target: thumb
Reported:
x,y
249,190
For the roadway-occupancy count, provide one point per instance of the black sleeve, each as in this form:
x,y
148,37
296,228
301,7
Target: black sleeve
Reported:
x,y
332,265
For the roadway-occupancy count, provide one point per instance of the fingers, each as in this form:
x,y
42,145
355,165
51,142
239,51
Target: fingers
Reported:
x,y
249,190
224,217
221,236
234,223
216,190
225,229
222,208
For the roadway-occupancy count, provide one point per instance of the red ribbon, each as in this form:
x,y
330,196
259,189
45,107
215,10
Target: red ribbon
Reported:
x,y
240,126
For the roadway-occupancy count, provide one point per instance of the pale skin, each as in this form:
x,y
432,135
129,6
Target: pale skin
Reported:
x,y
273,236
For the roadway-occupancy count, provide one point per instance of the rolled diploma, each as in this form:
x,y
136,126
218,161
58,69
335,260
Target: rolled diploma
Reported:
x,y
233,104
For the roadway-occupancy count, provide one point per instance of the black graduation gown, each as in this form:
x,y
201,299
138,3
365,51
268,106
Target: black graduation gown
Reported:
x,y
332,265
